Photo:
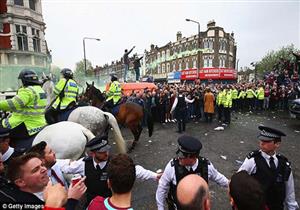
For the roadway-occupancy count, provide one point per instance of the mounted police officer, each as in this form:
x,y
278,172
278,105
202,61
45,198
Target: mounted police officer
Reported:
x,y
272,170
27,108
180,108
187,162
66,91
114,93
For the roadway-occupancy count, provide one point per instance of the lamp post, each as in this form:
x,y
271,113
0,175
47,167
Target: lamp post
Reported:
x,y
198,53
84,59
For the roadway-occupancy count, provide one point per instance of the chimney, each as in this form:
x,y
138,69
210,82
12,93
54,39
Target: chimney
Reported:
x,y
179,35
211,23
152,46
232,34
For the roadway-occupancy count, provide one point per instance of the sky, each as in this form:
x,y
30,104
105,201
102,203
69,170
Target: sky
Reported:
x,y
258,26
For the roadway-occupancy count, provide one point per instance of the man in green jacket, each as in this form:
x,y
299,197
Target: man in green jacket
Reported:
x,y
66,91
27,109
114,94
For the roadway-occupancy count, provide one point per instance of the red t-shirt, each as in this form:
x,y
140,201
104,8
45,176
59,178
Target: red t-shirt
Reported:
x,y
100,203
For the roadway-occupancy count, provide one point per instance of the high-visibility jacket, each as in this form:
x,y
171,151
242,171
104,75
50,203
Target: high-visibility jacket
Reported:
x,y
27,106
219,98
223,99
261,93
114,92
234,94
228,100
70,93
250,93
242,94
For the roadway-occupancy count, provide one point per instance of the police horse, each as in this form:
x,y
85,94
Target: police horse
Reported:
x,y
68,138
129,114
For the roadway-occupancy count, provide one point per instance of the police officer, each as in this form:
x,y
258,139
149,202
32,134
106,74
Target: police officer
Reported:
x,y
272,170
66,91
114,93
187,162
94,168
27,109
7,152
180,108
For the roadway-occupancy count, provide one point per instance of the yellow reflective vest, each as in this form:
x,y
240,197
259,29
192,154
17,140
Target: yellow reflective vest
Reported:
x,y
261,93
114,92
228,99
250,93
70,93
27,106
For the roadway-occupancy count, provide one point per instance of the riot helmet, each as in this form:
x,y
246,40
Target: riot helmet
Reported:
x,y
29,77
67,73
114,78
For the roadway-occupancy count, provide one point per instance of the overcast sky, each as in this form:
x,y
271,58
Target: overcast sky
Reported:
x,y
259,26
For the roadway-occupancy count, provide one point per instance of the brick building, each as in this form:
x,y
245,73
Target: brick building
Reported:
x,y
22,41
216,54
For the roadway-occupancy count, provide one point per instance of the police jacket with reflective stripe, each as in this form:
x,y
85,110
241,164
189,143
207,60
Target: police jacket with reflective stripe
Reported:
x,y
114,92
69,94
27,106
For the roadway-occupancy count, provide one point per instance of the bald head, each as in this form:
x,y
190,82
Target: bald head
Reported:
x,y
193,193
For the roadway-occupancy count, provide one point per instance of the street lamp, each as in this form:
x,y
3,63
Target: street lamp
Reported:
x,y
84,60
189,20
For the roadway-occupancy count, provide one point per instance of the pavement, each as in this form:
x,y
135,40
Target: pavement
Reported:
x,y
226,150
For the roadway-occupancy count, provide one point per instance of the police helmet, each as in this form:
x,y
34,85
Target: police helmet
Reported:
x,y
67,73
29,77
114,78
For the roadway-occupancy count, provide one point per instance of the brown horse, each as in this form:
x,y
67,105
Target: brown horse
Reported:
x,y
130,114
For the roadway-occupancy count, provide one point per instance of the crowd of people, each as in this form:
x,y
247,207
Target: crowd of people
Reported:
x,y
35,177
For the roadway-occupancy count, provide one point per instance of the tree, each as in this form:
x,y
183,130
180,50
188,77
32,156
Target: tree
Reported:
x,y
274,60
79,69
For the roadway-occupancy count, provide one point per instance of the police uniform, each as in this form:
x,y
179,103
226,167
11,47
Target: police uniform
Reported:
x,y
273,172
27,107
10,152
174,172
180,108
96,173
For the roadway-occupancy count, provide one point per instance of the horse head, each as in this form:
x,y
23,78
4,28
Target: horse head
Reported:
x,y
94,95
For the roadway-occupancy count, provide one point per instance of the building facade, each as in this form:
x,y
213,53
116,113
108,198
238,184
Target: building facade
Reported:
x,y
212,57
216,56
22,41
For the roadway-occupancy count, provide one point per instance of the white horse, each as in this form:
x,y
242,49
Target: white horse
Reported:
x,y
67,139
98,123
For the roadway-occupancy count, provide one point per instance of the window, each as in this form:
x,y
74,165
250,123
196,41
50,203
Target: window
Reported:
x,y
187,64
158,69
163,68
205,43
222,61
208,61
36,40
19,2
158,55
163,55
32,4
211,44
168,67
179,68
174,66
194,63
168,53
222,45
22,37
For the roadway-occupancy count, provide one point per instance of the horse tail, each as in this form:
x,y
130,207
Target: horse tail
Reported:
x,y
150,122
117,132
